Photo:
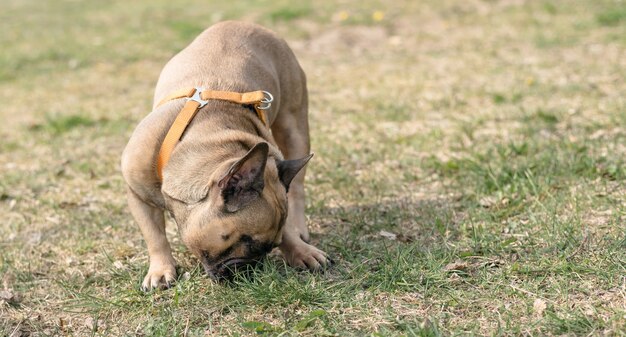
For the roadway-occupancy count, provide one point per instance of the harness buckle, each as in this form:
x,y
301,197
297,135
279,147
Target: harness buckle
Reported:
x,y
197,97
266,102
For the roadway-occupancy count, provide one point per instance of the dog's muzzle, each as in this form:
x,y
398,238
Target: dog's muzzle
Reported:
x,y
228,269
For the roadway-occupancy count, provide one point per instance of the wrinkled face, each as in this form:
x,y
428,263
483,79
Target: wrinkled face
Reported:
x,y
240,219
224,240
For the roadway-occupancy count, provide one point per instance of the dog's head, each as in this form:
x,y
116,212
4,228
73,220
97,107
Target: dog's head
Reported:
x,y
241,215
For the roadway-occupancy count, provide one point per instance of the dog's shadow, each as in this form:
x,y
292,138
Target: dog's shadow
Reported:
x,y
355,234
402,220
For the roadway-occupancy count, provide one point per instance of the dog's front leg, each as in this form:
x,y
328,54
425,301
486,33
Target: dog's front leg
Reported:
x,y
151,221
295,247
292,136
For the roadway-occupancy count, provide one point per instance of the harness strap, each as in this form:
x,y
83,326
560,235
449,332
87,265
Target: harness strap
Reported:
x,y
196,99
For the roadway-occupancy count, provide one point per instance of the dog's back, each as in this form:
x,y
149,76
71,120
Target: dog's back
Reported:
x,y
234,56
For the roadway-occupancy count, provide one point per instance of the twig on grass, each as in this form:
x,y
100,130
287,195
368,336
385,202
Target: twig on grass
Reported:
x,y
13,333
580,248
528,292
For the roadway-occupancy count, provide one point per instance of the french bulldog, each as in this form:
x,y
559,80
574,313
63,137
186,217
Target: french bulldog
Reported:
x,y
233,184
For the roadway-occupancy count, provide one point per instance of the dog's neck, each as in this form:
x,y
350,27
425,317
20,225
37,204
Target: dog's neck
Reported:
x,y
218,115
221,132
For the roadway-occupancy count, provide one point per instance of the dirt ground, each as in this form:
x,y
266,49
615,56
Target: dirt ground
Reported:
x,y
468,177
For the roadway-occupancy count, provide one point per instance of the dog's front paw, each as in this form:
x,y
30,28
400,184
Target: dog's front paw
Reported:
x,y
161,275
305,256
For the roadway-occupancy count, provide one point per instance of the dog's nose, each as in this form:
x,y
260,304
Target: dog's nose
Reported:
x,y
227,270
240,264
211,273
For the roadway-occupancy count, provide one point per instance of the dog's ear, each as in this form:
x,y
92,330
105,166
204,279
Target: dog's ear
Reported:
x,y
288,169
244,180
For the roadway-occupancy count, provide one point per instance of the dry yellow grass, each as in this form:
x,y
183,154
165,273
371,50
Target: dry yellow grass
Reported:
x,y
490,135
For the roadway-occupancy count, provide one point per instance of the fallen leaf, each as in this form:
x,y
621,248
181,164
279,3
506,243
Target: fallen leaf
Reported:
x,y
487,202
539,306
90,323
454,278
456,266
9,296
388,235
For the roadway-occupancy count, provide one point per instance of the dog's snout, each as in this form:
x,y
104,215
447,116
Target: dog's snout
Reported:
x,y
229,268
237,265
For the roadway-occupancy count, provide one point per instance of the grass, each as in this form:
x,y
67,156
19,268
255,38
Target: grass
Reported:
x,y
468,178
612,16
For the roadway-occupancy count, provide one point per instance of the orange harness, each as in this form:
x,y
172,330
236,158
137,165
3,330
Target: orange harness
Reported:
x,y
196,99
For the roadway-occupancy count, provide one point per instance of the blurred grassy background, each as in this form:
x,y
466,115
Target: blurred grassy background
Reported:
x,y
468,177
